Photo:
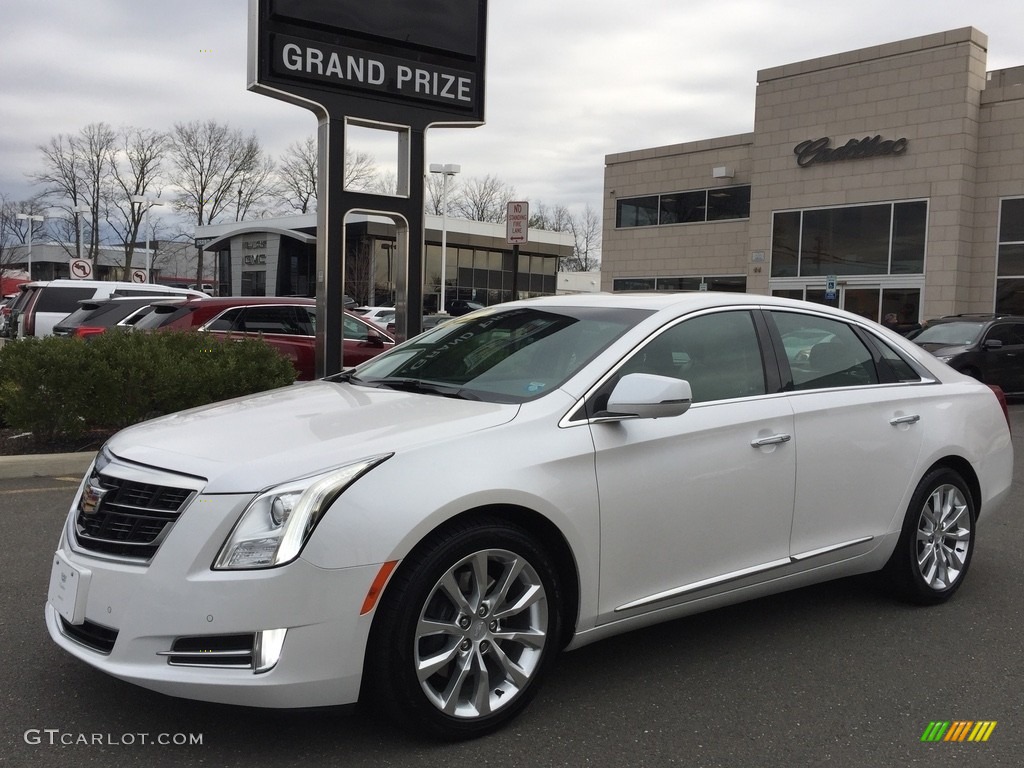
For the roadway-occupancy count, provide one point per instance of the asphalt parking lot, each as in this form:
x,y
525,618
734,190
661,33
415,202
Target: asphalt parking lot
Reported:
x,y
834,675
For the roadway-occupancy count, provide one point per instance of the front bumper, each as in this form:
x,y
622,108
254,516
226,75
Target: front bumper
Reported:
x,y
142,611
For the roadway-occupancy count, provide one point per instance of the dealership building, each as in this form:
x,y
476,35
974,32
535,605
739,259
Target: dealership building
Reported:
x,y
887,180
277,257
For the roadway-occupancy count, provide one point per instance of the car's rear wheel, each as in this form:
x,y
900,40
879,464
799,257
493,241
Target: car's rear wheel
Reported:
x,y
467,628
935,547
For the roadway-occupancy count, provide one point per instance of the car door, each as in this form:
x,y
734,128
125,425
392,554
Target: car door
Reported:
x,y
1003,365
691,503
858,438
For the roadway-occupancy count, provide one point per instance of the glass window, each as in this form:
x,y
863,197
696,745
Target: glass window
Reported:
x,y
1011,221
1011,260
1010,296
226,321
786,244
823,353
633,284
683,207
58,298
846,241
637,212
896,367
728,203
718,354
275,319
353,329
909,231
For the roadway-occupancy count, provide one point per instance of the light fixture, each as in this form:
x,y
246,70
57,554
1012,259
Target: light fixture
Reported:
x,y
78,210
448,169
149,203
31,218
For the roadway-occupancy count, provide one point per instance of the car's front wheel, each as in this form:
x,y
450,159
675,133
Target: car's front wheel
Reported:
x,y
937,541
466,630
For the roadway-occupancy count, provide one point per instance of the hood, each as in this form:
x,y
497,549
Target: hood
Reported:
x,y
251,443
943,350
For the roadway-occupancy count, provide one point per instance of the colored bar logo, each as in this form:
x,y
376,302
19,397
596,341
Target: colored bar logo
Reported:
x,y
958,730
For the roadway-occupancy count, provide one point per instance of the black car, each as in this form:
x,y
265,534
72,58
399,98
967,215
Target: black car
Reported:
x,y
989,347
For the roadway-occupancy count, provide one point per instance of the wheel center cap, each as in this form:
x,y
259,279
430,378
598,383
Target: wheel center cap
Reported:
x,y
478,631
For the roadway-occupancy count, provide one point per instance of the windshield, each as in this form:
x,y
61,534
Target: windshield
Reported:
x,y
506,355
956,334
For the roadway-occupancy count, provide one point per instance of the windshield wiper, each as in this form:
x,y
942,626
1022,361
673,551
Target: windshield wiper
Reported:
x,y
405,384
347,375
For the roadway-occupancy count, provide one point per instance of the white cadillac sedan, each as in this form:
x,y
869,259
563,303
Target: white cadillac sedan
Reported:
x,y
430,529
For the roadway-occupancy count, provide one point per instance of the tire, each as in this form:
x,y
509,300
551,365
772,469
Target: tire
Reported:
x,y
935,547
465,631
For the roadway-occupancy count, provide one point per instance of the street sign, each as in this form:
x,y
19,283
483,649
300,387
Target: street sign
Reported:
x,y
80,269
517,222
140,276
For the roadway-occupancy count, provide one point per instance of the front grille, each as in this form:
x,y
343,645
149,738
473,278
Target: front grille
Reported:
x,y
234,651
125,518
93,636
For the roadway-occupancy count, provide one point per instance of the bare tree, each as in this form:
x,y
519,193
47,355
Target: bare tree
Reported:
x,y
257,189
483,199
77,173
208,163
136,170
586,231
434,192
297,174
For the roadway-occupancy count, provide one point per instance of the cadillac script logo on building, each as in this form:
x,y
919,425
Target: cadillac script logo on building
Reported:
x,y
818,150
372,72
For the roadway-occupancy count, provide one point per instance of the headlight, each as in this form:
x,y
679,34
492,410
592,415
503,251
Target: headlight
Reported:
x,y
276,525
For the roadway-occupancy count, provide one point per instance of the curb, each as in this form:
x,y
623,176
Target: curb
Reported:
x,y
45,465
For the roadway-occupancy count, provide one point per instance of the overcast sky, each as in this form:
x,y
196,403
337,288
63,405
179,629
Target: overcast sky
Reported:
x,y
568,81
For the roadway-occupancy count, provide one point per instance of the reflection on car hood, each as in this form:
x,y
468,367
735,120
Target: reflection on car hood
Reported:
x,y
250,443
944,350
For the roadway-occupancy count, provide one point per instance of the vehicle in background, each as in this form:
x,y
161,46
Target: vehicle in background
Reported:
x,y
5,312
460,307
44,304
989,347
377,315
95,316
204,288
287,324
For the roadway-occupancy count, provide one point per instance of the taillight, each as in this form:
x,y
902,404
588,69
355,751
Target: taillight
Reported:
x,y
1001,397
84,330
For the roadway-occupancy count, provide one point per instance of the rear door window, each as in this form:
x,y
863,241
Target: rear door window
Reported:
x,y
824,353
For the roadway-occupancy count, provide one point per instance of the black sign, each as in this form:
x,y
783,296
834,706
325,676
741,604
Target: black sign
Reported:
x,y
815,151
364,58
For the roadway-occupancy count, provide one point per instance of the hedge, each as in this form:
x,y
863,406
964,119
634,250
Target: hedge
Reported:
x,y
63,388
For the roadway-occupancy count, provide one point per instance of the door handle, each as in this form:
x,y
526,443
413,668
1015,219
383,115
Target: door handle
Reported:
x,y
905,420
772,440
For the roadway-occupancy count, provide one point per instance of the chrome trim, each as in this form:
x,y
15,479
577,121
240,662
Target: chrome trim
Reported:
x,y
704,584
905,420
772,440
716,581
832,548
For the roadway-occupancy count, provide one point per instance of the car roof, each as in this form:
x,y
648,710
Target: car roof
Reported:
x,y
245,301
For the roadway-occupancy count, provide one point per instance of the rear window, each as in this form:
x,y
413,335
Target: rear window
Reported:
x,y
59,298
161,316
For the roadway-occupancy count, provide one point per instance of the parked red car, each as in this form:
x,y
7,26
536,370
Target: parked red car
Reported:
x,y
287,323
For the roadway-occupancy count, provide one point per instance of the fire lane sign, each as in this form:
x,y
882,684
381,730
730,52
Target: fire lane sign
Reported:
x,y
517,222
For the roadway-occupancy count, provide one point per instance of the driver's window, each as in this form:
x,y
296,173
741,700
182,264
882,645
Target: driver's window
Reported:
x,y
718,354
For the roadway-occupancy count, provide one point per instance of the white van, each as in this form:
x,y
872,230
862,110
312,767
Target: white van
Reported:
x,y
50,302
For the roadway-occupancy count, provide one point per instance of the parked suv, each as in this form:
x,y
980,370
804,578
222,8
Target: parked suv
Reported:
x,y
989,347
95,316
288,324
44,304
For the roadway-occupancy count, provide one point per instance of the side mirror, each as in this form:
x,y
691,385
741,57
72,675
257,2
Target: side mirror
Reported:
x,y
992,344
647,396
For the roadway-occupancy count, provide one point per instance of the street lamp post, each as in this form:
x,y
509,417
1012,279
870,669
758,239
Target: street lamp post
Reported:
x,y
149,203
78,210
448,169
32,219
